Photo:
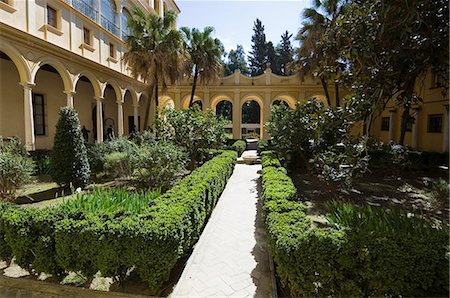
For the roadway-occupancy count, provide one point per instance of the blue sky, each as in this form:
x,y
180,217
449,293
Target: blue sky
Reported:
x,y
233,19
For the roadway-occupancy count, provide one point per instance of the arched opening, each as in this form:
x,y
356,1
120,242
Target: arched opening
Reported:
x,y
125,17
197,103
110,122
109,16
11,100
48,98
224,108
281,102
83,103
251,119
128,114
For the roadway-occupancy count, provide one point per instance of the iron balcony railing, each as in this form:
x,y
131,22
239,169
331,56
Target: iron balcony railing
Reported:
x,y
86,9
110,26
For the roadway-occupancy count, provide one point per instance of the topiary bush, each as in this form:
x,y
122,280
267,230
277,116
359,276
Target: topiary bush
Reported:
x,y
239,146
16,167
69,160
362,252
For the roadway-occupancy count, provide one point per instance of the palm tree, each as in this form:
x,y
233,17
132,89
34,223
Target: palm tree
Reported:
x,y
311,54
154,51
204,54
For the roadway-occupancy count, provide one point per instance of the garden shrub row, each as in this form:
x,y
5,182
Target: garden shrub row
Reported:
x,y
374,253
57,240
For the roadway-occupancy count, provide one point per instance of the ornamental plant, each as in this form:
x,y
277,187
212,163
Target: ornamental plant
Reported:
x,y
16,167
69,159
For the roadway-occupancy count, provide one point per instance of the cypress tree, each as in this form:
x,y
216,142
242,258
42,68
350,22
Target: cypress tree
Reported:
x,y
258,55
69,156
285,52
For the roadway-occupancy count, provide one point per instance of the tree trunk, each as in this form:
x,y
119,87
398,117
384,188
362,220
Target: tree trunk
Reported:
x,y
156,99
194,85
147,108
325,90
405,118
369,125
336,91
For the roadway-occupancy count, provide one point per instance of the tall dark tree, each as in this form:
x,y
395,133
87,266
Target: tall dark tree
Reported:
x,y
236,60
285,54
387,56
273,58
258,55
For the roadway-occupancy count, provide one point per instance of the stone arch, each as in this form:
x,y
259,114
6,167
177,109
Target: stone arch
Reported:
x,y
319,97
215,101
291,101
18,60
94,82
60,68
133,93
165,102
257,98
187,98
116,88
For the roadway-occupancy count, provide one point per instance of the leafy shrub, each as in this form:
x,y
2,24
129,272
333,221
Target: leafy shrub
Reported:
x,y
69,159
239,146
42,160
98,151
440,193
141,231
263,145
118,164
365,251
142,137
251,135
193,130
16,167
159,165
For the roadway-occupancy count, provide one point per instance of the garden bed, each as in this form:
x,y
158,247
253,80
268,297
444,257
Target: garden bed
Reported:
x,y
354,251
146,243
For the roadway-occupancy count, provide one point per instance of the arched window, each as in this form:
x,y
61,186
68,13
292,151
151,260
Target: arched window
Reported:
x,y
125,17
109,16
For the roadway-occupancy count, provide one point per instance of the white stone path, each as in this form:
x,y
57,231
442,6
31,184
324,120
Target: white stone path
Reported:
x,y
231,257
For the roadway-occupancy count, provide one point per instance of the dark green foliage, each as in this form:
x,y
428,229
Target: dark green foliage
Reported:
x,y
5,249
286,54
194,130
258,56
236,61
118,164
78,237
159,165
42,160
239,146
97,152
69,160
365,252
16,167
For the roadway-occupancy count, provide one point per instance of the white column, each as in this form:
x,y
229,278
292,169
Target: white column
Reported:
x,y
99,102
392,125
415,129
120,119
446,130
30,141
237,116
70,95
136,117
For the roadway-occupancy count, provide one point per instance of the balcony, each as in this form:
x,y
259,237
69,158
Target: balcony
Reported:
x,y
110,26
86,9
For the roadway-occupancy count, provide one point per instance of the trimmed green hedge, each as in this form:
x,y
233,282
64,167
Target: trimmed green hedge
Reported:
x,y
239,146
53,240
353,259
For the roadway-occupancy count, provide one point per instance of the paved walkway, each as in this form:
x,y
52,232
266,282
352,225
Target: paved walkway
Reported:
x,y
231,258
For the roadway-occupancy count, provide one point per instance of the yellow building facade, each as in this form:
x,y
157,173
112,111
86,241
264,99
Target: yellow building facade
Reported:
x,y
56,53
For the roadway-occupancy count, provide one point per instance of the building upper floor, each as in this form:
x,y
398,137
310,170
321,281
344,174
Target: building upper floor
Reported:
x,y
93,29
